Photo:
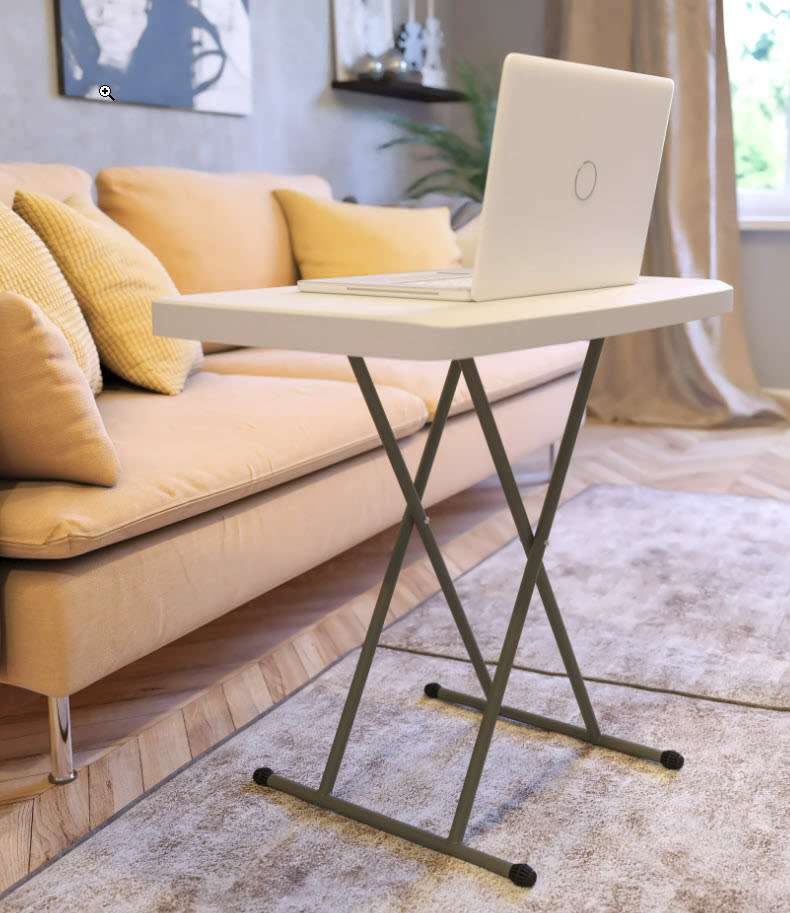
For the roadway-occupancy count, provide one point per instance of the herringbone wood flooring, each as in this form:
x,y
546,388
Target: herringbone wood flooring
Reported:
x,y
138,726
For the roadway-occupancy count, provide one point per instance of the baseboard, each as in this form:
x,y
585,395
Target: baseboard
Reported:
x,y
781,395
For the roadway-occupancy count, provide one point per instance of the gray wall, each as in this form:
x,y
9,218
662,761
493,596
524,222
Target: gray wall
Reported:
x,y
299,124
484,33
765,266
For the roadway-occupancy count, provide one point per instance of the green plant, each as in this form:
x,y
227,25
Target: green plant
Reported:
x,y
464,164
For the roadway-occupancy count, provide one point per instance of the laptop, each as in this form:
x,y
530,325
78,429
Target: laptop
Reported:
x,y
572,174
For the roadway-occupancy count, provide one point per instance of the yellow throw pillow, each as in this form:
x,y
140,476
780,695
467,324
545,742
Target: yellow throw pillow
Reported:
x,y
114,278
28,268
50,426
330,238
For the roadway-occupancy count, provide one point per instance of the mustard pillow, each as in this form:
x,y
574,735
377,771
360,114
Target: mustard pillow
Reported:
x,y
28,268
330,238
114,278
50,427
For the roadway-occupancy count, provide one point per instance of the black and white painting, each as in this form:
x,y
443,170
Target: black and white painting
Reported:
x,y
178,53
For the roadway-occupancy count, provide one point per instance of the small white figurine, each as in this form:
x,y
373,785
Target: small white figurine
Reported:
x,y
432,40
410,42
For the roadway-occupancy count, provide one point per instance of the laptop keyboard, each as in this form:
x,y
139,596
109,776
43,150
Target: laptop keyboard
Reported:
x,y
461,282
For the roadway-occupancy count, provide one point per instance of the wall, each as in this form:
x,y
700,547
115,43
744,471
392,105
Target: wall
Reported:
x,y
765,266
484,33
298,124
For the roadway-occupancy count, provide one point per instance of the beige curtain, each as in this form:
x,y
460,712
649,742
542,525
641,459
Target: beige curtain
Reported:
x,y
698,374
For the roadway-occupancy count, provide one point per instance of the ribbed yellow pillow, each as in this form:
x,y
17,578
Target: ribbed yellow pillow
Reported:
x,y
114,278
50,426
330,238
28,268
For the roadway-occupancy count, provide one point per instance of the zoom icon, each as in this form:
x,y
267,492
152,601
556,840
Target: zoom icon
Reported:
x,y
105,92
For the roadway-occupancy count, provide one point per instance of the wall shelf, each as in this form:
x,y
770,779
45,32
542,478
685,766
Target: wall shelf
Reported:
x,y
414,91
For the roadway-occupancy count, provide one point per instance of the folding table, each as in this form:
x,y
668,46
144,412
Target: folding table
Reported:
x,y
411,329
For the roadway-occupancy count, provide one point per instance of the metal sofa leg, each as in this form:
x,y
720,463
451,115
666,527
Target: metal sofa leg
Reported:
x,y
60,741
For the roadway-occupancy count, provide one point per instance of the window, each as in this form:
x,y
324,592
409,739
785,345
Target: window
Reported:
x,y
757,33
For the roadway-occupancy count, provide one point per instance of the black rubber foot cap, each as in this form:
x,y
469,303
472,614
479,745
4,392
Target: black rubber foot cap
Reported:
x,y
432,690
672,760
522,875
261,776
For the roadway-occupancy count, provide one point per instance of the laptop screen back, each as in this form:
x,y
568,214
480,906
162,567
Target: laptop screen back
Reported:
x,y
572,175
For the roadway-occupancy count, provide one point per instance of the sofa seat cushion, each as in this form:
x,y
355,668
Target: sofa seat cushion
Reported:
x,y
503,374
225,437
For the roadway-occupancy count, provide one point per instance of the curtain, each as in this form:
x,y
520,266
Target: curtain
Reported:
x,y
698,374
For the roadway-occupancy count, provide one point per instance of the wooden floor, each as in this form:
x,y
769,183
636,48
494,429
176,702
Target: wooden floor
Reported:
x,y
138,726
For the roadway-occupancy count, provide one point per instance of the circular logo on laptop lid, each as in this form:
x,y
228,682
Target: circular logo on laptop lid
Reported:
x,y
586,179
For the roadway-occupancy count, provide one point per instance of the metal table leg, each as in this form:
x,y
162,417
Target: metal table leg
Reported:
x,y
493,691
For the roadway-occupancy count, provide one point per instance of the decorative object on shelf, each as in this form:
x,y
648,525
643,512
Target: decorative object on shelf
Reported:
x,y
362,30
432,40
156,52
366,61
410,41
395,66
369,67
464,164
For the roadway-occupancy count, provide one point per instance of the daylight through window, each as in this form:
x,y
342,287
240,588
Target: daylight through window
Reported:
x,y
757,33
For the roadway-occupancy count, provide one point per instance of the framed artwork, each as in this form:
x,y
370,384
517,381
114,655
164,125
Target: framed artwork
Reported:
x,y
177,53
360,27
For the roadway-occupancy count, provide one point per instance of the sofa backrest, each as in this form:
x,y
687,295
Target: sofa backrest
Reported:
x,y
59,181
212,232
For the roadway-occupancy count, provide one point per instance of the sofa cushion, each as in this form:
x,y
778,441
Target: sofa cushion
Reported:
x,y
114,278
51,427
502,374
212,232
28,268
58,181
68,623
331,238
225,437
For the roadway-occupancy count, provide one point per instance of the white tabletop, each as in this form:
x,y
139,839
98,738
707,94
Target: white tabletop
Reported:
x,y
285,318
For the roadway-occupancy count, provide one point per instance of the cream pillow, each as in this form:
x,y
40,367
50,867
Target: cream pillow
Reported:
x,y
114,278
50,426
28,268
330,238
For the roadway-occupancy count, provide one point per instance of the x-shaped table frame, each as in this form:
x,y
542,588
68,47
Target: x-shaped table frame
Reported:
x,y
534,544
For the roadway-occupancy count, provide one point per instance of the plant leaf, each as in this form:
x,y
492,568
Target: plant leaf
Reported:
x,y
467,162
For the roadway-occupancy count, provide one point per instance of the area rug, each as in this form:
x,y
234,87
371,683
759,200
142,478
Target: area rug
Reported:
x,y
605,832
663,589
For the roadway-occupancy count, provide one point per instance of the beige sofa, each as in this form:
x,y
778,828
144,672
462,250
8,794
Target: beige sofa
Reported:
x,y
265,465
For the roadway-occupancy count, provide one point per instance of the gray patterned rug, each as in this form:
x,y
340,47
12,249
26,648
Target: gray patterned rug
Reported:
x,y
677,605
